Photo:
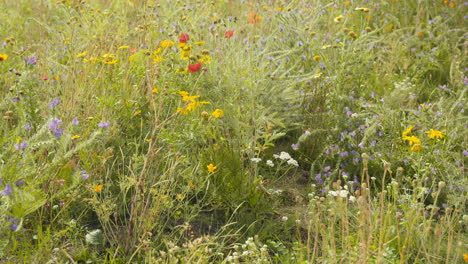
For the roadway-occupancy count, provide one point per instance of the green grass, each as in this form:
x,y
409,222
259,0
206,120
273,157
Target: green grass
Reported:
x,y
303,138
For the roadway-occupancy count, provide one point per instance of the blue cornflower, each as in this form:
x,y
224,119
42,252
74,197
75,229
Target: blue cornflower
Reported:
x,y
31,61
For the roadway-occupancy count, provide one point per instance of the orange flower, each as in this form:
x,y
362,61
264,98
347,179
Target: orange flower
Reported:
x,y
211,167
254,18
465,258
229,34
98,188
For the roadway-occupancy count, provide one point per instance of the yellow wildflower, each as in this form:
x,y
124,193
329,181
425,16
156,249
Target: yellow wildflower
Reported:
x,y
124,47
158,59
82,54
407,131
205,59
155,90
218,113
338,19
211,167
412,140
157,51
98,188
137,113
199,43
75,137
317,58
110,61
317,75
416,147
182,111
363,9
166,44
433,134
3,57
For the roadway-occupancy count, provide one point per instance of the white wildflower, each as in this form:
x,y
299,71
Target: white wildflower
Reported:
x,y
293,162
270,163
256,160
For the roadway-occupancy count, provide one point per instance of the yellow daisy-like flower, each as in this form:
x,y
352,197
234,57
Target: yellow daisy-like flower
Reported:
x,y
317,58
158,59
136,113
181,45
155,90
124,47
412,140
92,59
317,75
433,134
75,137
206,59
211,167
182,93
110,61
185,55
363,9
416,147
182,111
407,131
3,57
218,113
338,19
98,188
82,54
199,43
166,44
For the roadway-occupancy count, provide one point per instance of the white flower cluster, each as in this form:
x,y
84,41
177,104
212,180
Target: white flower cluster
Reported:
x,y
285,156
249,252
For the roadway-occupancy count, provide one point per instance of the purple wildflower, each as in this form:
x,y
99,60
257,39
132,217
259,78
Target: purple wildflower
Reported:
x,y
21,146
15,99
75,121
318,178
465,153
58,132
295,146
13,227
27,127
20,183
104,124
84,175
54,103
7,191
31,61
54,125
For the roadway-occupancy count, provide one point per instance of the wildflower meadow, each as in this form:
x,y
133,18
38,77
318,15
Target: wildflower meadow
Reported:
x,y
233,131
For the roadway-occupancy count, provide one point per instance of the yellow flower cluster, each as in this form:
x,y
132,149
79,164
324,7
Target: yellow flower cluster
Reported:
x,y
192,101
415,142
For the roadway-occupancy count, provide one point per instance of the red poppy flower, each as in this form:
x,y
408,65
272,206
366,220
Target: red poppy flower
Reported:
x,y
194,67
184,37
229,34
45,77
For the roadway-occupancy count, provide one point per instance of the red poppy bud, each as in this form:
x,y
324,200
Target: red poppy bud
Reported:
x,y
229,34
184,37
194,67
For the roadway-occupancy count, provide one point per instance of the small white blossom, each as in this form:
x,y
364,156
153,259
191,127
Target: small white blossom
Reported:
x,y
343,193
256,160
293,162
270,163
284,156
352,198
332,193
285,218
